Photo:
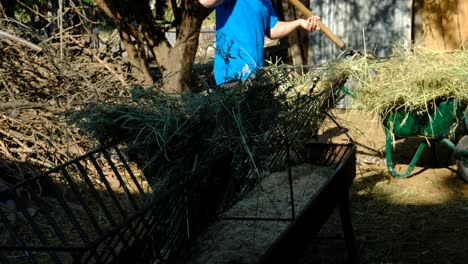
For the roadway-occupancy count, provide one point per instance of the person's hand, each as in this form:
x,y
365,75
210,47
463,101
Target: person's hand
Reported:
x,y
311,23
210,3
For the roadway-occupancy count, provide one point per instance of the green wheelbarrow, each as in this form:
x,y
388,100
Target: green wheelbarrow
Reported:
x,y
443,118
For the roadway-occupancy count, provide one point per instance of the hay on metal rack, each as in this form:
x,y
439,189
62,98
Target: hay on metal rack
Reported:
x,y
303,80
410,79
223,134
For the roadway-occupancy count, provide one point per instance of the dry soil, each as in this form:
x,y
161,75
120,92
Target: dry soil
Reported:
x,y
419,219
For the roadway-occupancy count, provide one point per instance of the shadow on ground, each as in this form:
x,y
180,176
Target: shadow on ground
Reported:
x,y
391,227
420,219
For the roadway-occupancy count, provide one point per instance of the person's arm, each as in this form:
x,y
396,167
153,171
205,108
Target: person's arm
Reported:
x,y
282,28
210,3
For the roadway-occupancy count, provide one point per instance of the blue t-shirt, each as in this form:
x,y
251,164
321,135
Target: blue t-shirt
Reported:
x,y
241,26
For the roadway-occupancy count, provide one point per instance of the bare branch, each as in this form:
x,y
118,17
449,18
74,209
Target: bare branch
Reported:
x,y
19,40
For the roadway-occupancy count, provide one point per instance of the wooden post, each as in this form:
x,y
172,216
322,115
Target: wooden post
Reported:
x,y
441,24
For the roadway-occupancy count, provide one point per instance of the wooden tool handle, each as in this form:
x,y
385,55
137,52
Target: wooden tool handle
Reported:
x,y
328,33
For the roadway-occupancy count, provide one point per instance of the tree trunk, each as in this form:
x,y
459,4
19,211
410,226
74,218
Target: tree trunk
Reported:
x,y
137,57
176,62
298,40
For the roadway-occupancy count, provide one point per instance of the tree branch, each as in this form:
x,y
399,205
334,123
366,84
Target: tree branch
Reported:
x,y
105,64
19,40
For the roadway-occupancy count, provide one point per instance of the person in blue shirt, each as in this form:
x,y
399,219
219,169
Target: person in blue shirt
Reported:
x,y
241,26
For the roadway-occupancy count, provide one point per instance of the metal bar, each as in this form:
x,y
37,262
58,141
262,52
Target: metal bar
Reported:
x,y
109,216
173,209
86,260
72,219
45,210
257,219
9,227
328,159
30,257
130,225
180,240
153,222
388,156
43,248
305,114
84,176
149,208
119,177
343,129
56,169
14,237
108,187
160,240
75,190
454,148
176,227
150,227
290,180
338,154
346,225
87,210
187,212
120,248
163,239
39,234
292,242
135,229
93,253
132,234
127,168
137,215
108,251
123,240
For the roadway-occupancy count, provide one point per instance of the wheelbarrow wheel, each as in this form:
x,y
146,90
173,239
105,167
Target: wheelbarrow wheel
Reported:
x,y
462,160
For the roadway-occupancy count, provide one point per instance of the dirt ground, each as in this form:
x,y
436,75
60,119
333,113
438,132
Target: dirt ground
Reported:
x,y
420,219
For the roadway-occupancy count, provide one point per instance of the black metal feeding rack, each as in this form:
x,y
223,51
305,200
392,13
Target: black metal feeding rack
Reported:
x,y
334,193
78,218
100,208
97,208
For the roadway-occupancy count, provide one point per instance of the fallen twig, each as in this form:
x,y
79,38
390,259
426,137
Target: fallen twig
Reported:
x,y
19,40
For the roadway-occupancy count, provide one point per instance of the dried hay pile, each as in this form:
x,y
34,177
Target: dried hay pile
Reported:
x,y
409,80
225,141
222,141
227,134
304,80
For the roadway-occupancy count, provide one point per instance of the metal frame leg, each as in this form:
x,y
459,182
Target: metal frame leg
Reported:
x,y
388,156
346,224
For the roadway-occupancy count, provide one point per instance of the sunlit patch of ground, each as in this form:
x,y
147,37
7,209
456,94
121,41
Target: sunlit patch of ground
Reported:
x,y
421,219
